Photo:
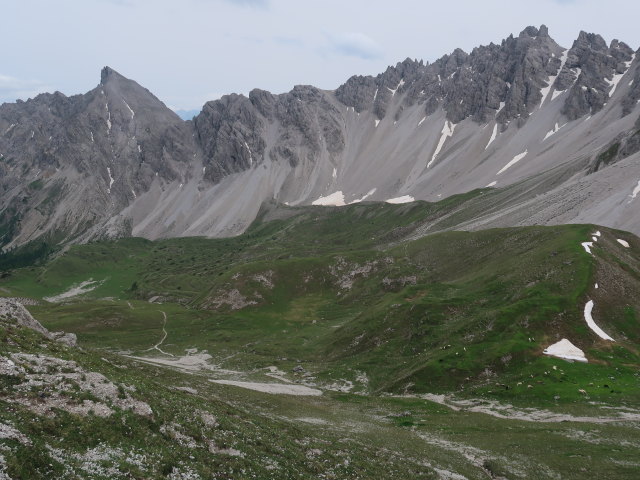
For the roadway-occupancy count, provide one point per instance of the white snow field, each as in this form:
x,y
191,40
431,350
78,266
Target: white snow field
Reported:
x,y
566,350
592,324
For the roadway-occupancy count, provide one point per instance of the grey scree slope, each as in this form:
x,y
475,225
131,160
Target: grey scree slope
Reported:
x,y
558,127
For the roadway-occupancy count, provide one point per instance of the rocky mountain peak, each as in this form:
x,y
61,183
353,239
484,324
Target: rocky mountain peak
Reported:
x,y
112,154
590,73
591,40
532,31
108,74
543,31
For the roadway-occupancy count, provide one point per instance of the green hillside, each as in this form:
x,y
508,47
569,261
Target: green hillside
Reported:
x,y
426,337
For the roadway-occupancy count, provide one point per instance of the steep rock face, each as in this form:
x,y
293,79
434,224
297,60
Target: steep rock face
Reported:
x,y
69,162
506,78
231,131
236,131
296,127
116,161
592,72
632,98
310,123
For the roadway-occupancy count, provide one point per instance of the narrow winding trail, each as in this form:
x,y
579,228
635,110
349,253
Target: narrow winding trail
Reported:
x,y
164,336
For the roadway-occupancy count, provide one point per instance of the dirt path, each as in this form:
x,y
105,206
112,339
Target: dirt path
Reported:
x,y
164,336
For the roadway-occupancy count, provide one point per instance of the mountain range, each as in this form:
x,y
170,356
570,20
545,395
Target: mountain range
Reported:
x,y
550,134
423,274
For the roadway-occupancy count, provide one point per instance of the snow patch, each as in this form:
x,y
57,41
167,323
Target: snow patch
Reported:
x,y
334,175
250,154
133,114
492,184
393,91
628,64
106,106
613,83
513,161
447,131
636,191
545,91
494,134
363,198
566,350
403,199
377,122
578,72
592,325
336,199
587,247
421,121
375,95
624,243
551,132
92,137
111,180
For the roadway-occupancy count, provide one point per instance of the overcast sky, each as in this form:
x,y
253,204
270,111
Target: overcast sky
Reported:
x,y
190,51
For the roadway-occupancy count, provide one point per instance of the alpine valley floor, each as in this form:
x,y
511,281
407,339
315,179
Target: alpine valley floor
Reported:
x,y
328,343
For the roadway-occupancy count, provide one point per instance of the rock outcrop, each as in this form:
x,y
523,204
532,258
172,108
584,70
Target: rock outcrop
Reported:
x,y
13,311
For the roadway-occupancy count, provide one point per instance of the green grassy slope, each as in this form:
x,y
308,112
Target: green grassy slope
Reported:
x,y
345,299
339,292
199,430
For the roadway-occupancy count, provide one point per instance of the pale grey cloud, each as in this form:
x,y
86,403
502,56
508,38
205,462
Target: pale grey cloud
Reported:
x,y
12,88
250,3
289,41
185,50
355,44
122,3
